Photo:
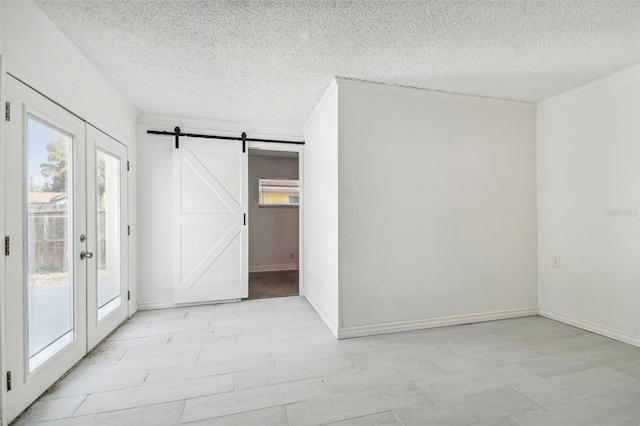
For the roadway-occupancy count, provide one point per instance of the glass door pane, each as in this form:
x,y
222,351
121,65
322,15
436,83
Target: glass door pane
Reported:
x,y
108,224
49,241
107,305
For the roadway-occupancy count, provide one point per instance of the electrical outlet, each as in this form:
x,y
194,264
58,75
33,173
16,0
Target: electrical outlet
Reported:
x,y
555,261
291,256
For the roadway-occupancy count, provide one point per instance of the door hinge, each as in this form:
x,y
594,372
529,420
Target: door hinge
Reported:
x,y
128,230
8,380
7,246
245,219
128,295
128,166
7,111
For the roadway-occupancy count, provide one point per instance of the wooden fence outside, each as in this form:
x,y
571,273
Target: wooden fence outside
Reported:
x,y
48,245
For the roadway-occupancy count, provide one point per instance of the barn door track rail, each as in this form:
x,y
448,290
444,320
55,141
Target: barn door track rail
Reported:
x,y
177,133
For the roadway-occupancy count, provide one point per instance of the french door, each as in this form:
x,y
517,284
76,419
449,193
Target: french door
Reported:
x,y
64,261
106,223
210,223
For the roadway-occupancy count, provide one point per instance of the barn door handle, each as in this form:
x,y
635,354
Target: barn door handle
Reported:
x,y
85,255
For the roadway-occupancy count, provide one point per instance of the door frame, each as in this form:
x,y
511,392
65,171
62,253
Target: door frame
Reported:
x,y
3,206
53,94
285,147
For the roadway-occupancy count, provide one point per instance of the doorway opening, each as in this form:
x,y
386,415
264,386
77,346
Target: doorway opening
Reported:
x,y
274,223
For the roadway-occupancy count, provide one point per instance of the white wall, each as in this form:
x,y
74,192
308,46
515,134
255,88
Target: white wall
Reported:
x,y
155,229
155,195
437,216
36,52
273,232
320,195
589,164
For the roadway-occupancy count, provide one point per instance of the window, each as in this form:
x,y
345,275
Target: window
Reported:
x,y
278,192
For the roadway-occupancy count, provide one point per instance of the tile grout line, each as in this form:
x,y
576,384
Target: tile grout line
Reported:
x,y
286,414
357,417
256,409
146,405
79,405
235,414
145,379
184,406
124,354
374,345
354,363
397,417
529,397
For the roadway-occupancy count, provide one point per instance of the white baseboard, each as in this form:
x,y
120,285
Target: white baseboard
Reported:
x,y
148,306
274,268
323,315
594,328
370,330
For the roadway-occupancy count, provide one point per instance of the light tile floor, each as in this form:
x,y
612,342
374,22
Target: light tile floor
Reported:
x,y
273,362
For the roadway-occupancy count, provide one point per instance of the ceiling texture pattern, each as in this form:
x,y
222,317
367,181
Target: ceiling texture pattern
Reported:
x,y
268,62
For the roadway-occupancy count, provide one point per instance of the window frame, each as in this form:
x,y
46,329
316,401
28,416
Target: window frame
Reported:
x,y
279,205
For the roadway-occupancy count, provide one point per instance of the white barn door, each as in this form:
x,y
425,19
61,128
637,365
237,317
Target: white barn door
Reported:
x,y
210,232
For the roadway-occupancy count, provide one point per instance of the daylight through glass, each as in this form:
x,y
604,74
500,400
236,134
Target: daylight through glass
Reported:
x,y
49,240
108,198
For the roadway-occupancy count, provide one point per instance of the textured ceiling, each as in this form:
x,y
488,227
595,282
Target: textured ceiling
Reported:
x,y
268,62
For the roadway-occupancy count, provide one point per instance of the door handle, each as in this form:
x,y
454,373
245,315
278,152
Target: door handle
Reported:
x,y
85,255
